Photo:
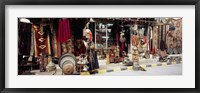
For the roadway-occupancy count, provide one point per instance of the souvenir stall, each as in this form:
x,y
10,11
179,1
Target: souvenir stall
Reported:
x,y
75,45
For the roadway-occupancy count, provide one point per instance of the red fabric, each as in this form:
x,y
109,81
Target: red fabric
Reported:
x,y
145,40
81,50
64,31
91,36
153,51
117,39
122,46
149,44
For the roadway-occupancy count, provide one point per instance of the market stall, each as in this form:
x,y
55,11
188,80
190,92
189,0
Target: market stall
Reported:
x,y
84,44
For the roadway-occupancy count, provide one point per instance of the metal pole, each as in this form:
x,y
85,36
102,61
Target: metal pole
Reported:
x,y
95,36
106,38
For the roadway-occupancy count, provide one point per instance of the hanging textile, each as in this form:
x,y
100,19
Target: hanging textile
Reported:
x,y
24,38
146,28
141,32
127,34
55,45
162,45
41,40
122,41
117,39
64,31
122,46
56,50
32,46
115,32
135,40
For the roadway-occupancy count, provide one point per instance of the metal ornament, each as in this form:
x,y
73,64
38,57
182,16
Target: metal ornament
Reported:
x,y
170,50
175,51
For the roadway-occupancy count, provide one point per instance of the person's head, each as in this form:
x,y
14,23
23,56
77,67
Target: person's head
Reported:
x,y
87,34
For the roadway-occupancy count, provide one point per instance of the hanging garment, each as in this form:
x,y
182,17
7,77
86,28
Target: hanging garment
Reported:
x,y
115,30
117,38
134,29
24,38
135,40
127,34
162,45
64,31
41,40
32,45
141,32
122,46
122,41
155,39
148,37
55,45
126,44
151,45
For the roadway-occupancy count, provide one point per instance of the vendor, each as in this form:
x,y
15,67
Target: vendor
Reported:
x,y
90,50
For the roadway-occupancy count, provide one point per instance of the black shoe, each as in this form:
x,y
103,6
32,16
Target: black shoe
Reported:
x,y
92,72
